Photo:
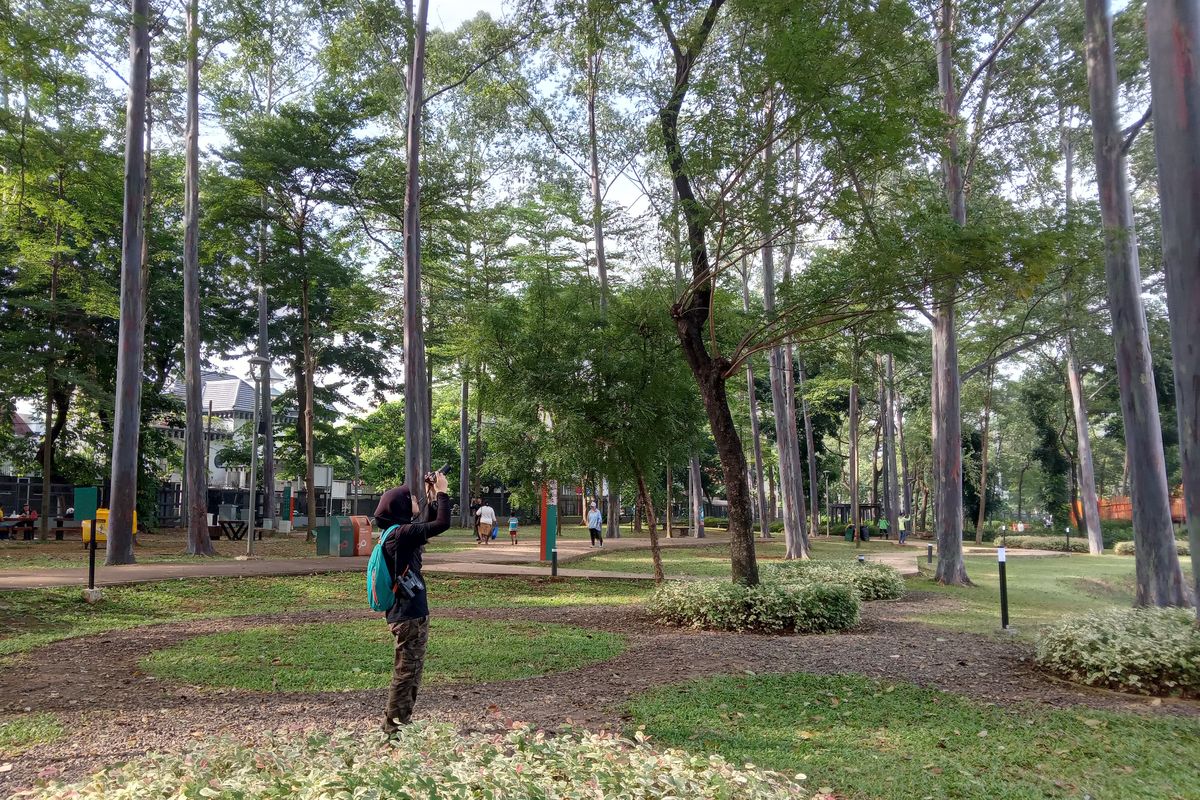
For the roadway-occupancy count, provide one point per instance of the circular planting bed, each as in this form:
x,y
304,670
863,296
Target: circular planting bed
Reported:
x,y
340,656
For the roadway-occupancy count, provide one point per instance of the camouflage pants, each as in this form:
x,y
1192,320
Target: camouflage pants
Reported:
x,y
411,637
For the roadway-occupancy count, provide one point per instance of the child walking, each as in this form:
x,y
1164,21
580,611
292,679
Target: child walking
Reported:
x,y
513,523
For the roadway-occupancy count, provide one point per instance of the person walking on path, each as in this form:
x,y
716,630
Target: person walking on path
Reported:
x,y
902,534
486,520
595,526
884,527
513,524
408,618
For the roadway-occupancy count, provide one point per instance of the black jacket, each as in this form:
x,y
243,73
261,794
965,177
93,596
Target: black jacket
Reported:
x,y
405,545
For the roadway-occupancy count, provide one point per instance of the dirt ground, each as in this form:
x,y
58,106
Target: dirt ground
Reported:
x,y
114,712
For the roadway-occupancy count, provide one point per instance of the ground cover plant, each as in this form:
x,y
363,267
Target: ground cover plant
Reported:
x,y
870,581
713,561
1144,650
33,617
334,656
1128,548
1054,543
23,731
766,608
429,760
895,741
1041,591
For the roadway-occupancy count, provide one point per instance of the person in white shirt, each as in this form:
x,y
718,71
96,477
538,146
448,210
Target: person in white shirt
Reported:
x,y
595,526
486,517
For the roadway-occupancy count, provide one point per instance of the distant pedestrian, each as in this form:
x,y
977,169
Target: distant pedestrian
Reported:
x,y
486,522
513,524
595,526
902,534
884,527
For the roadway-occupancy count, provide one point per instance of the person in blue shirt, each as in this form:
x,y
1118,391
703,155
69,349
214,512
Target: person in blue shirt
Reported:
x,y
595,526
513,524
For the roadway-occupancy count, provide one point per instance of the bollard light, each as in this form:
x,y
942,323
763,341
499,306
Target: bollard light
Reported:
x,y
928,554
554,562
862,559
1001,557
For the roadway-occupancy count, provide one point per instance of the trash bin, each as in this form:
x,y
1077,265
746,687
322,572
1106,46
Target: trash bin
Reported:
x,y
323,540
849,534
101,526
362,535
341,532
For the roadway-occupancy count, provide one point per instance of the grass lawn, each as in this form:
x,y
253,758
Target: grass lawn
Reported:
x,y
35,617
26,730
894,741
1040,591
713,562
358,655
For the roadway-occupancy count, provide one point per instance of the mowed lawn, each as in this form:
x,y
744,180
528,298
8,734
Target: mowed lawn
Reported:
x,y
867,739
34,617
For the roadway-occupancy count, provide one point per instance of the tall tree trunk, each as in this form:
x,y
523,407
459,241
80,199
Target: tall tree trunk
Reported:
x,y
810,446
983,459
855,512
417,419
1173,32
947,411
755,429
614,512
906,481
593,88
1159,577
876,468
198,542
889,449
310,455
48,438
127,415
1087,472
648,502
464,452
802,543
477,470
771,500
669,500
267,411
697,497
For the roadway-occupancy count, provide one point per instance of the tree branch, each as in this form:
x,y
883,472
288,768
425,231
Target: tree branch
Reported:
x,y
1000,45
1133,130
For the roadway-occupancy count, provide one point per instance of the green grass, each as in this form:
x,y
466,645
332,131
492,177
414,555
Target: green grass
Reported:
x,y
895,741
1040,591
34,617
26,730
713,561
358,655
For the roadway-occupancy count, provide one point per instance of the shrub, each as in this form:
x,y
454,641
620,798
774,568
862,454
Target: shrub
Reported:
x,y
773,527
1056,543
1142,650
1116,530
431,760
870,581
770,607
1128,549
716,522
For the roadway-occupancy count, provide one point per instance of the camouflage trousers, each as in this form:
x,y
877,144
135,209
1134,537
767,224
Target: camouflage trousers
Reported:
x,y
411,637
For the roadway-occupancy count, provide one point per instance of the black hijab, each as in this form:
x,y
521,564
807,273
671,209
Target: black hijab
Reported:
x,y
395,507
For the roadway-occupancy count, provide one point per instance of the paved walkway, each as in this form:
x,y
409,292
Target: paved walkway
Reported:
x,y
492,559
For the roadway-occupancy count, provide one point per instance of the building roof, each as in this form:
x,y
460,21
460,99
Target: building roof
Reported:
x,y
227,393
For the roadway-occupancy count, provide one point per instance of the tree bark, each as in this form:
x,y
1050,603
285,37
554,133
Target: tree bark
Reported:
x,y
697,497
855,512
755,431
646,501
614,512
947,411
310,455
983,458
127,415
1159,577
906,483
802,544
670,492
1173,33
1087,472
464,452
810,444
267,411
417,421
889,449
198,541
593,88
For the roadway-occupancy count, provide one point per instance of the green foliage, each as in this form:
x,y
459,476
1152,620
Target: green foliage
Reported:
x,y
358,655
427,760
27,730
1056,543
765,608
870,581
1127,548
890,740
1143,650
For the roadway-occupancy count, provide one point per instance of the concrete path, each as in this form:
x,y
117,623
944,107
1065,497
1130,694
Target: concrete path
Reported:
x,y
498,558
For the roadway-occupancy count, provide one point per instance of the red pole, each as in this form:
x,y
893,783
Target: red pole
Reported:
x,y
545,555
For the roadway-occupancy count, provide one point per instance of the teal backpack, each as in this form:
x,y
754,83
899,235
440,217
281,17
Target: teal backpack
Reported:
x,y
381,587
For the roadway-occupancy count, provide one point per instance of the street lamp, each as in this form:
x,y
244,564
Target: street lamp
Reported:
x,y
259,378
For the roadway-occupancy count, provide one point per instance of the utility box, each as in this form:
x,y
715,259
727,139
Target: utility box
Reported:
x,y
323,540
341,532
227,511
362,535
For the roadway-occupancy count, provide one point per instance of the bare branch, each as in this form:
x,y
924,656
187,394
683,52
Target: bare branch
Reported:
x,y
1133,130
1000,45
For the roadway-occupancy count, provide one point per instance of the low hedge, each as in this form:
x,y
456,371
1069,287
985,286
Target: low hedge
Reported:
x,y
431,760
870,581
769,607
1143,650
1056,543
716,522
1128,549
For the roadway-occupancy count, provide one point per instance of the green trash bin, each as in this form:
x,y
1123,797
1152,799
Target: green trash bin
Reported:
x,y
322,540
849,534
341,532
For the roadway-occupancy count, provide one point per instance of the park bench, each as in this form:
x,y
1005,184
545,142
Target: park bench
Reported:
x,y
680,531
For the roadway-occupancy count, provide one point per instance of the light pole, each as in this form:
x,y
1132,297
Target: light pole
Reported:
x,y
257,361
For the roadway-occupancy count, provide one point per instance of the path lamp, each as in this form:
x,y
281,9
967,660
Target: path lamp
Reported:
x,y
1000,559
259,380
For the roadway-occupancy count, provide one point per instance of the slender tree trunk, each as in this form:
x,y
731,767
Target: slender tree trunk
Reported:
x,y
855,512
802,543
127,415
1159,577
669,500
755,430
1173,32
637,515
198,542
310,455
877,469
1087,473
889,449
464,452
267,410
614,512
648,502
417,420
48,437
771,490
983,459
593,88
477,471
697,497
810,446
1020,492
906,482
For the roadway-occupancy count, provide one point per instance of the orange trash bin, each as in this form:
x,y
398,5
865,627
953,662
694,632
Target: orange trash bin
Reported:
x,y
362,535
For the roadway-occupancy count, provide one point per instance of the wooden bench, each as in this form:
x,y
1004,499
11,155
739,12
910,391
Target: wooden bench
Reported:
x,y
680,531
